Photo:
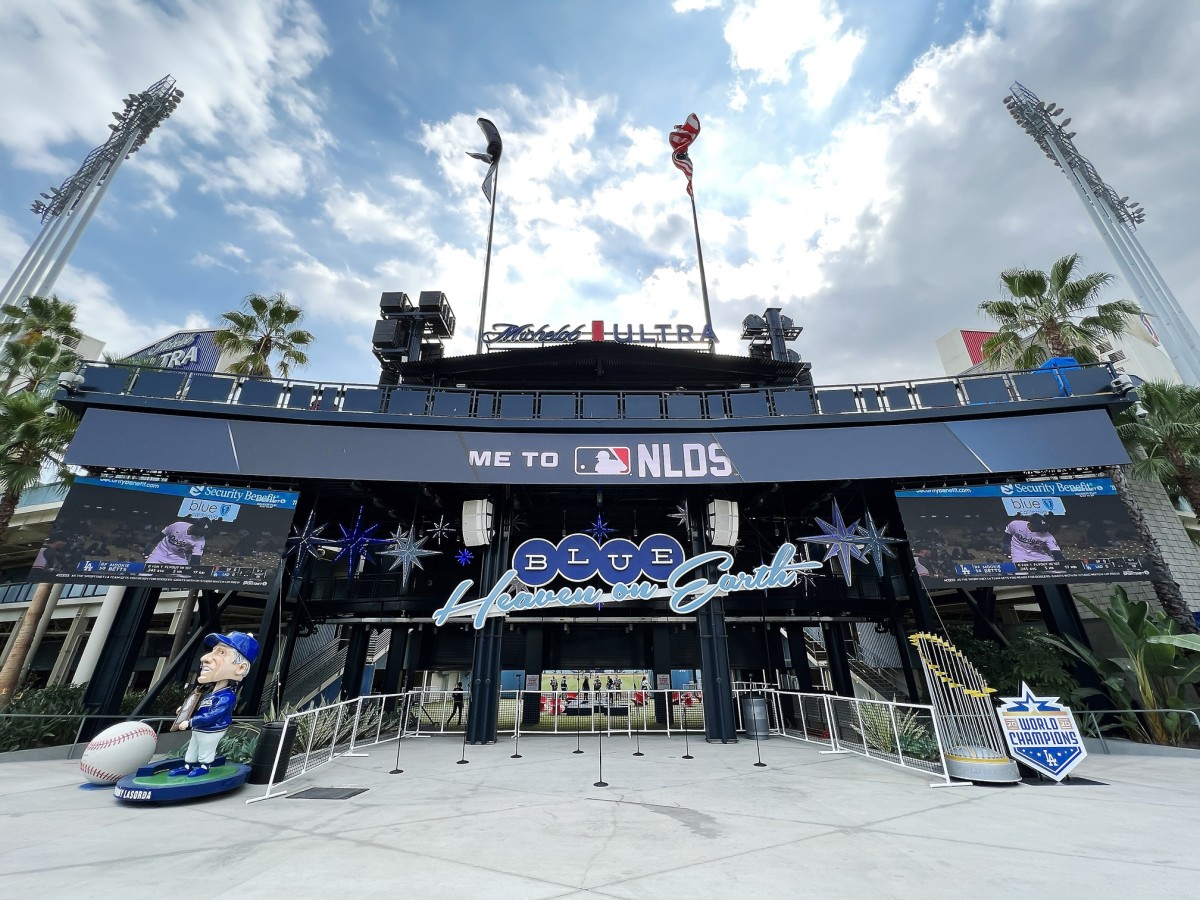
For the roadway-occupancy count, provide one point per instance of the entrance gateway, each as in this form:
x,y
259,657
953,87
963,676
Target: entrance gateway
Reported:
x,y
590,507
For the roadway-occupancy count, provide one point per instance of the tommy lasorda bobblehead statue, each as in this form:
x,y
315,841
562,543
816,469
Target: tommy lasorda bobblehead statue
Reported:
x,y
209,711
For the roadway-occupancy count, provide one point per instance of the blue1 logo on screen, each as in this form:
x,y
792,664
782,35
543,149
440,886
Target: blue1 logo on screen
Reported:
x,y
654,568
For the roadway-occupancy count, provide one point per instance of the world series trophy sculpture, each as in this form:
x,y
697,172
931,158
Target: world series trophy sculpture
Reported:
x,y
975,746
207,713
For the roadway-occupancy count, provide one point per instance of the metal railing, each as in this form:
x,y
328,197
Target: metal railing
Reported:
x,y
434,712
1131,721
56,724
605,711
635,406
325,733
907,735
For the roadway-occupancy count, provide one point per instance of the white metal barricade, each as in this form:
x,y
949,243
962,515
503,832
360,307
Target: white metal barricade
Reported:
x,y
323,733
907,735
604,711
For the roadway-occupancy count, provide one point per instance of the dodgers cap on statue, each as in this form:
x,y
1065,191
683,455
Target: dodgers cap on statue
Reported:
x,y
243,643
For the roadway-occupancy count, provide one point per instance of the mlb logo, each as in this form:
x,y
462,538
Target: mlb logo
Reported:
x,y
602,461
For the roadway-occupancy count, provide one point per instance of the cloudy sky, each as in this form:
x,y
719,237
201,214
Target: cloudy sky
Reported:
x,y
855,166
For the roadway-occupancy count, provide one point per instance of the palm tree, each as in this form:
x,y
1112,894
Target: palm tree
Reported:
x,y
265,327
1042,316
33,365
29,441
1167,438
36,316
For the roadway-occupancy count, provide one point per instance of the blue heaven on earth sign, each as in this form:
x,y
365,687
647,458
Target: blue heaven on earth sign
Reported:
x,y
657,567
1041,733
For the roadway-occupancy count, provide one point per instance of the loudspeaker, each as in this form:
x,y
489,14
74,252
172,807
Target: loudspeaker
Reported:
x,y
722,523
477,522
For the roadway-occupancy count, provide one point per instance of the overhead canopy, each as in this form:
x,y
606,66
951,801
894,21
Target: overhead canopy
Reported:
x,y
606,364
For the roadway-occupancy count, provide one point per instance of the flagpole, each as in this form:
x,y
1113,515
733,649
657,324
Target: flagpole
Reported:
x,y
703,281
487,263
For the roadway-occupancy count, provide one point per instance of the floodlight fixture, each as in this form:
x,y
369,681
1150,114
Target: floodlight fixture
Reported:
x,y
1116,219
71,206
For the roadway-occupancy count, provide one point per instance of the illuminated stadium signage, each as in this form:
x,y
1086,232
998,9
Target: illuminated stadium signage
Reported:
x,y
598,330
655,568
1036,532
165,534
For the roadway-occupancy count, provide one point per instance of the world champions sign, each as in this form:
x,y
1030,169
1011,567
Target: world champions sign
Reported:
x,y
653,569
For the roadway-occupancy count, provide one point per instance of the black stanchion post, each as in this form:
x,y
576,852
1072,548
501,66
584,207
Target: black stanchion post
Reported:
x,y
687,753
638,737
517,749
400,739
577,749
464,760
758,746
601,782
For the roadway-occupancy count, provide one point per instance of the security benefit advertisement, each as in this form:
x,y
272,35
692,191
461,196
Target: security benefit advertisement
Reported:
x,y
116,531
1036,532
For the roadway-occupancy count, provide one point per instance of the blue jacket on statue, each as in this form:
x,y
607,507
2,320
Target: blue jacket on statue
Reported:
x,y
215,712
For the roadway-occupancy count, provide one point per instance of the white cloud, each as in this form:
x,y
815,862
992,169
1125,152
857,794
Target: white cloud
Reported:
x,y
766,37
686,6
264,221
240,65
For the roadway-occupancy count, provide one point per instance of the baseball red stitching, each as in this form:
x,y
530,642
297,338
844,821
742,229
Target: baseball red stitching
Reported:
x,y
89,769
122,738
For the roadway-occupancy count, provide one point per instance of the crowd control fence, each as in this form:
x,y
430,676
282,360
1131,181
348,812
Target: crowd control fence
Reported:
x,y
44,731
907,735
325,733
602,711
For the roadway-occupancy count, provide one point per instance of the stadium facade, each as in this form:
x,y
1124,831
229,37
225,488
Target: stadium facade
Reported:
x,y
761,519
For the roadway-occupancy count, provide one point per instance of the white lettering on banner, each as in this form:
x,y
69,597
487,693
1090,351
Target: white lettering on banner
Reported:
x,y
698,460
658,460
685,596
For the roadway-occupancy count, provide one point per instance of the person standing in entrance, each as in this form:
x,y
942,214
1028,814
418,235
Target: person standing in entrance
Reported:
x,y
457,693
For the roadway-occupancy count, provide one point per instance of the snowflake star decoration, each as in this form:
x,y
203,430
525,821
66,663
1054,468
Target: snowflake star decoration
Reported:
x,y
681,516
875,542
356,544
440,529
464,557
841,541
406,548
599,530
305,540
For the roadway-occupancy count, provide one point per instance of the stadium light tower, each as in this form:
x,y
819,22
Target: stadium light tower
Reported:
x,y
67,209
1116,218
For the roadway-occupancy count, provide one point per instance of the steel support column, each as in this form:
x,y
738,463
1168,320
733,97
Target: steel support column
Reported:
x,y
531,711
356,661
110,680
837,660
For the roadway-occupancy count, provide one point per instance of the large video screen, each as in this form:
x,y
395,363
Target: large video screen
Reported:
x,y
117,531
1036,532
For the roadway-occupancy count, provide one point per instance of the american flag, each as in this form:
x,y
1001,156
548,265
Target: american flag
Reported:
x,y
681,138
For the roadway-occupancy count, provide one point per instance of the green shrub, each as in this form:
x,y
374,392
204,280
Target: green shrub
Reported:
x,y
1027,658
62,703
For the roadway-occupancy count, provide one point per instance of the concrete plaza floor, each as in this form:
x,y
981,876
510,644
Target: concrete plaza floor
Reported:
x,y
807,825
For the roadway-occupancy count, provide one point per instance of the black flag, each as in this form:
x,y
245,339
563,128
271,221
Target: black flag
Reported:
x,y
492,157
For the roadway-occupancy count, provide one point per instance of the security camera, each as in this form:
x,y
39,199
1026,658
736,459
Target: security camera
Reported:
x,y
1140,411
52,411
1122,384
70,381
